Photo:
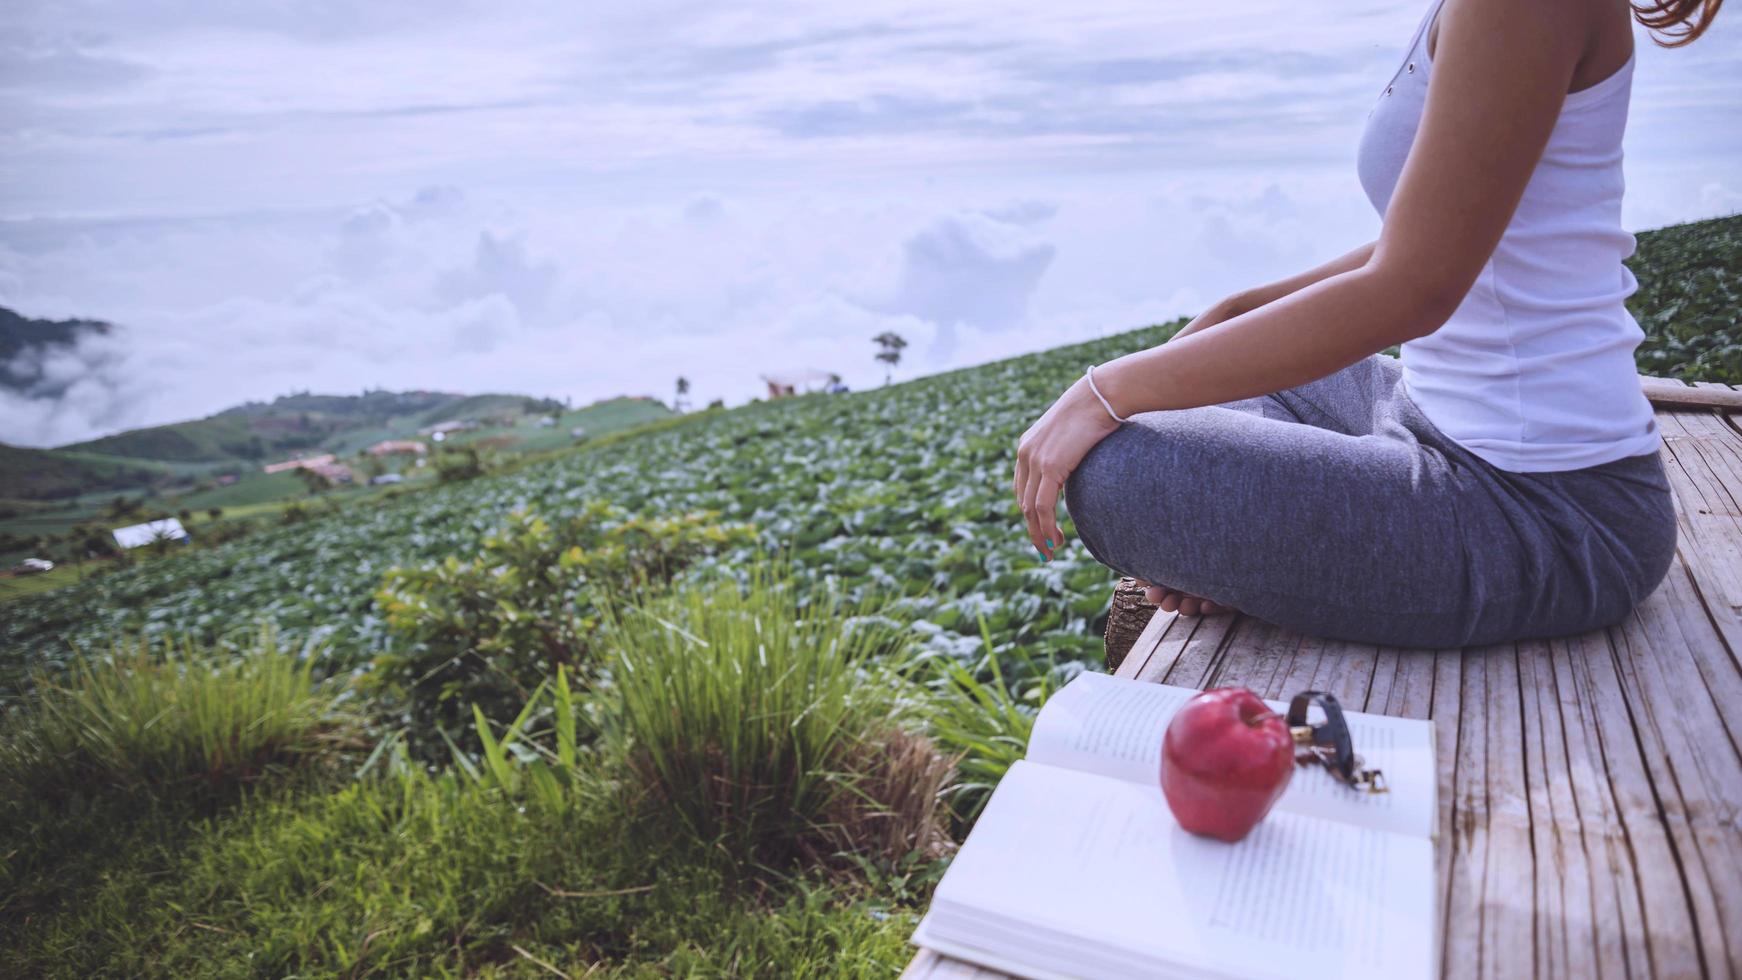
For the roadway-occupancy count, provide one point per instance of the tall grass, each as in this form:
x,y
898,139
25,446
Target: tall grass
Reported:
x,y
767,723
984,717
172,720
420,875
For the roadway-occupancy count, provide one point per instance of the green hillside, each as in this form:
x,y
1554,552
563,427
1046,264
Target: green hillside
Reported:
x,y
262,431
870,487
29,474
207,440
1690,300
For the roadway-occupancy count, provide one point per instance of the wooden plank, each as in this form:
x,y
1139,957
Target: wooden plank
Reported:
x,y
1509,905
1193,662
1704,463
1346,671
1617,916
1695,771
1304,666
1670,940
1260,660
1460,930
1709,574
1146,644
1411,690
1385,661
1563,940
1668,393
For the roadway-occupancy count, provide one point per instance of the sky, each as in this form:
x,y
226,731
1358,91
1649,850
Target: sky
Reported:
x,y
586,200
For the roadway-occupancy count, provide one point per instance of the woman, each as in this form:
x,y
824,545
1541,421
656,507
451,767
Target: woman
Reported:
x,y
1498,482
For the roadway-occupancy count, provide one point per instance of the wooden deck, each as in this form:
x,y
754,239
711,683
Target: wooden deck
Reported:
x,y
1590,787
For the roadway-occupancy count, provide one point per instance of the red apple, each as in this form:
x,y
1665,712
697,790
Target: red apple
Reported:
x,y
1225,760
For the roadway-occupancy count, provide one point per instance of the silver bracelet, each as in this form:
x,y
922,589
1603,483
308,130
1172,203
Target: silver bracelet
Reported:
x,y
1089,372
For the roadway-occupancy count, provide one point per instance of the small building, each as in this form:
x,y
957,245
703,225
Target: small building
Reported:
x,y
332,472
443,428
788,383
151,532
398,447
307,463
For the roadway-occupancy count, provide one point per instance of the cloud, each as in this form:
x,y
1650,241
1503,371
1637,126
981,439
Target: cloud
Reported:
x,y
501,267
1716,198
674,185
74,390
481,290
970,269
62,66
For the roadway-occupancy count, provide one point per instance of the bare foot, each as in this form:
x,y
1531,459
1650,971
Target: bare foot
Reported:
x,y
1173,600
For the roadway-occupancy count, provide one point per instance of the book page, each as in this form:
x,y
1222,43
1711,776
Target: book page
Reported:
x,y
1113,727
1069,873
1106,725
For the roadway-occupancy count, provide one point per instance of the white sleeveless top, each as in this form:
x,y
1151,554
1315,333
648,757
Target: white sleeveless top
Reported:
x,y
1534,371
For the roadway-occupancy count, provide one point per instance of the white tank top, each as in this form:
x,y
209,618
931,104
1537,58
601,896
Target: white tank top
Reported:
x,y
1534,371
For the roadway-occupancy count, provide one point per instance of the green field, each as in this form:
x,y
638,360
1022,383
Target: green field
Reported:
x,y
55,491
18,586
747,607
1690,292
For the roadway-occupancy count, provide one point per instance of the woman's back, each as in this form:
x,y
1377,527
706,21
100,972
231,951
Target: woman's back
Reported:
x,y
1534,371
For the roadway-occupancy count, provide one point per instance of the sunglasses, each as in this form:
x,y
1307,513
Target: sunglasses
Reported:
x,y
1322,737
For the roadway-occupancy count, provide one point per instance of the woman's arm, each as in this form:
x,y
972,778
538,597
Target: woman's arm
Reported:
x,y
1501,73
1248,300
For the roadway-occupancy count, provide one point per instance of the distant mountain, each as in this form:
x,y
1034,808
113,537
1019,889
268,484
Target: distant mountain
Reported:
x,y
258,431
36,474
26,342
237,439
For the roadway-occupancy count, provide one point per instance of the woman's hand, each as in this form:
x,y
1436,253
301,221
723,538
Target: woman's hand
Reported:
x,y
1048,453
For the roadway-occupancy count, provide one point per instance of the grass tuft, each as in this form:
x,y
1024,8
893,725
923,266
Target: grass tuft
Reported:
x,y
765,721
172,721
984,716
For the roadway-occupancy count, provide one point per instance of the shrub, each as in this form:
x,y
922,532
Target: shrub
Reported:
x,y
765,723
459,463
487,631
172,721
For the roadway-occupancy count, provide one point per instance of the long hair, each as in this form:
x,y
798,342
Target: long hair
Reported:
x,y
1674,23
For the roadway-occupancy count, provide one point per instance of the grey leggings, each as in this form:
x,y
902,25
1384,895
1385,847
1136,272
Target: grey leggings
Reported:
x,y
1337,509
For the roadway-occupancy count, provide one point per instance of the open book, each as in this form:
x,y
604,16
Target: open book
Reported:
x,y
1078,869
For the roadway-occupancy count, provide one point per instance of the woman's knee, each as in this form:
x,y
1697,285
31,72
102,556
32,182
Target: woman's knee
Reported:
x,y
1092,497
1116,495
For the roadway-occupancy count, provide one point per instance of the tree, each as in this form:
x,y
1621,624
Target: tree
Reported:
x,y
315,482
891,344
122,507
683,388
